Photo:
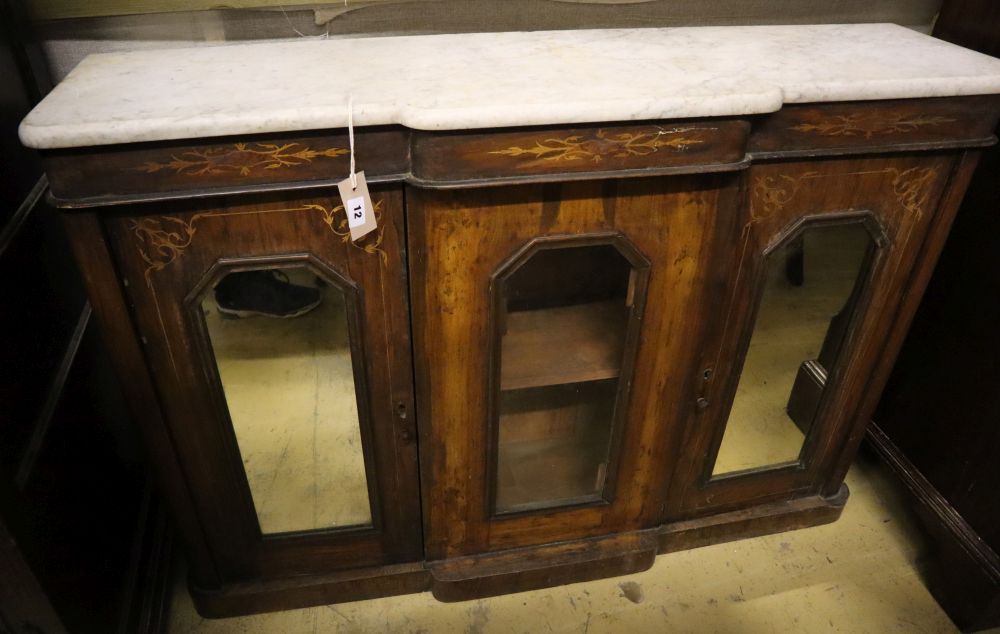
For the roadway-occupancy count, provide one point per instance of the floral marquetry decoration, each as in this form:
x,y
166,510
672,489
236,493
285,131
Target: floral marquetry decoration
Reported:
x,y
242,159
869,125
604,145
163,239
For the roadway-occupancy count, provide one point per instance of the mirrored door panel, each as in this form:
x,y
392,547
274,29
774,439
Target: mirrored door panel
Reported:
x,y
563,316
281,341
809,291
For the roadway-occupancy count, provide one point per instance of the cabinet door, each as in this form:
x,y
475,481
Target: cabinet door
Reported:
x,y
554,328
809,287
294,427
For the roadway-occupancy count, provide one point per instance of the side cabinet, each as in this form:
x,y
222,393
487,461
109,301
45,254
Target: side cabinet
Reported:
x,y
563,351
300,458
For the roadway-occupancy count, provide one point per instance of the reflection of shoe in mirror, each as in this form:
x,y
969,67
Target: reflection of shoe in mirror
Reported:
x,y
268,293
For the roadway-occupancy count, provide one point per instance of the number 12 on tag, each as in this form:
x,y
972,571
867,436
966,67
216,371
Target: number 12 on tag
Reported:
x,y
356,212
357,206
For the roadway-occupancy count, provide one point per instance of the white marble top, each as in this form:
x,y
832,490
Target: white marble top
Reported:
x,y
478,80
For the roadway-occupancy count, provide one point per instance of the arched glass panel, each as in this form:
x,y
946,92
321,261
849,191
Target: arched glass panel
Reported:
x,y
565,319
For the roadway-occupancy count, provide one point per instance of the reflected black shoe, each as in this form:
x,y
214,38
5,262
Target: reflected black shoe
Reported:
x,y
268,293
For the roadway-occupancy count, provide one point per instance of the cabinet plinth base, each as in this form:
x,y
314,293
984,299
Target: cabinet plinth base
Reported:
x,y
520,569
239,599
543,566
760,520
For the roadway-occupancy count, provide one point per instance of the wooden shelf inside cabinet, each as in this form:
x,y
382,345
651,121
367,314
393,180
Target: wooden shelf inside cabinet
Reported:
x,y
568,344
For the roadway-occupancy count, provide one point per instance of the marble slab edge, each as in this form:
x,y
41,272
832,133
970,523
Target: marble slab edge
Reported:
x,y
495,80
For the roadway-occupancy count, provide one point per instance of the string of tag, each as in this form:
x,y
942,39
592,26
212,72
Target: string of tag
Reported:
x,y
350,136
354,190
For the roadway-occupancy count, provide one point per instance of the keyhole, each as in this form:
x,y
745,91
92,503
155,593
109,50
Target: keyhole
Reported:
x,y
707,374
401,409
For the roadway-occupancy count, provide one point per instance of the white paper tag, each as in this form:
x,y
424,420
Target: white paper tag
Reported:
x,y
357,206
356,211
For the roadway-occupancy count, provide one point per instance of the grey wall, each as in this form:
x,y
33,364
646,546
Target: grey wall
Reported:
x,y
68,41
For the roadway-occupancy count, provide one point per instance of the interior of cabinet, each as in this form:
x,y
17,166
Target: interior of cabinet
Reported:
x,y
564,314
551,438
567,344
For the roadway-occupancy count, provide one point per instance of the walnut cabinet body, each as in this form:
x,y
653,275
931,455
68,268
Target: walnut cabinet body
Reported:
x,y
667,231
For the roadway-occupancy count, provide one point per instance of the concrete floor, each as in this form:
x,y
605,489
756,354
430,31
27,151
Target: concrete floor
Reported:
x,y
860,574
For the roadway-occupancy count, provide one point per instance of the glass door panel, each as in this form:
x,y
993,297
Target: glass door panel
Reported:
x,y
565,318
